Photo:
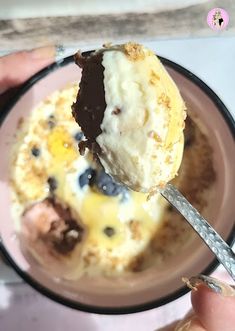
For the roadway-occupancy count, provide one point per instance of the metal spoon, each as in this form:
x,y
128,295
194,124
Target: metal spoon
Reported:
x,y
211,238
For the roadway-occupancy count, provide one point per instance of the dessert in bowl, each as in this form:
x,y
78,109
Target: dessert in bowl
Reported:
x,y
132,115
82,238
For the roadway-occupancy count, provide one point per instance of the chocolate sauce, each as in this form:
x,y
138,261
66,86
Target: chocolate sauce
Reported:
x,y
64,233
89,108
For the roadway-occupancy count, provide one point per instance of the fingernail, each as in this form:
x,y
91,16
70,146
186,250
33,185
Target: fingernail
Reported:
x,y
43,53
211,283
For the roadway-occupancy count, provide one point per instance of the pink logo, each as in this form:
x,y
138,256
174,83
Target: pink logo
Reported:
x,y
217,19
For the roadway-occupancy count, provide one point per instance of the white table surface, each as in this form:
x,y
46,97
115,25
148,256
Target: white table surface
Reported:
x,y
23,309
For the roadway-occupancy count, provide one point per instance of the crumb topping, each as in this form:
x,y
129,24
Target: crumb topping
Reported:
x,y
134,51
154,78
165,100
155,136
135,228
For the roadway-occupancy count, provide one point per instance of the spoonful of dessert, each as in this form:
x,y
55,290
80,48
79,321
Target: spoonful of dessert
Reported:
x,y
132,115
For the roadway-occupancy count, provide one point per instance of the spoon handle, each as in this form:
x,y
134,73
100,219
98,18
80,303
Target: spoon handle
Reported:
x,y
212,239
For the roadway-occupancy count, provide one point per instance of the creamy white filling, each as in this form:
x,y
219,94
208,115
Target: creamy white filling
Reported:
x,y
130,154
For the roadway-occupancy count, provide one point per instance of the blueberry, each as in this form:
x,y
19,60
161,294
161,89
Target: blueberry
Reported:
x,y
109,231
87,177
52,182
79,136
51,121
51,124
35,151
107,185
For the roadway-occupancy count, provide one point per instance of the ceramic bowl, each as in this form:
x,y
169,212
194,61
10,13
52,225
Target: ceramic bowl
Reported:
x,y
152,287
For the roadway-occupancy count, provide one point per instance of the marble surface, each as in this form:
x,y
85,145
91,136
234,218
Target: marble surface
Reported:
x,y
44,8
212,59
86,29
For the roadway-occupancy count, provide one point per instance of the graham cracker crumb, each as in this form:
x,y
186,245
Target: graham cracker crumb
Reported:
x,y
153,77
168,159
137,263
162,184
165,100
134,51
146,116
20,123
135,229
155,136
153,192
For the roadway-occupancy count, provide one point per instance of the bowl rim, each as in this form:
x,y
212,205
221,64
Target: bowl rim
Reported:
x,y
134,308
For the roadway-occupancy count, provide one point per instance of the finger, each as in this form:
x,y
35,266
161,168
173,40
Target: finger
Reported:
x,y
213,303
16,68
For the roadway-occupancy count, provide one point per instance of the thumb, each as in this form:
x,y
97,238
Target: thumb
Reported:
x,y
213,304
16,68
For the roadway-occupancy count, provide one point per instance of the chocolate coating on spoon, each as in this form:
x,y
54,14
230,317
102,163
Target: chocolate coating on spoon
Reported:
x,y
89,108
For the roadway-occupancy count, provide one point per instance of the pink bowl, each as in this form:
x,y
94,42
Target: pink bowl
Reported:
x,y
150,288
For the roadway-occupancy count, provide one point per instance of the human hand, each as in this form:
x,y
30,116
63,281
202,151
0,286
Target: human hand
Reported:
x,y
16,68
213,305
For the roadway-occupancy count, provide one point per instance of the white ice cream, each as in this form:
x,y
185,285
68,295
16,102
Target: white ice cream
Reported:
x,y
142,128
